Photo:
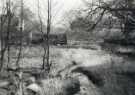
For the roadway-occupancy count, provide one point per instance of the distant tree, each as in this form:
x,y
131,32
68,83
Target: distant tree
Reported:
x,y
50,20
81,23
69,17
10,25
41,30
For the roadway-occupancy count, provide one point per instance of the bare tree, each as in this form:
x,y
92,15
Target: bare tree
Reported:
x,y
41,30
121,9
49,21
8,28
5,39
48,32
21,35
3,46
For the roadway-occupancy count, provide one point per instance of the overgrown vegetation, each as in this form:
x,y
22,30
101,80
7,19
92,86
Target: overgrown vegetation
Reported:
x,y
24,65
110,15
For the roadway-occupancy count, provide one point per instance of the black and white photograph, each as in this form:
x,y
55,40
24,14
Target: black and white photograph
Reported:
x,y
67,47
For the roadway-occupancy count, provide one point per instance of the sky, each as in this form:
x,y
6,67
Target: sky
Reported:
x,y
59,8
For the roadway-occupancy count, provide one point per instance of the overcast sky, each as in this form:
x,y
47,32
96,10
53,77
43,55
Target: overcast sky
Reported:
x,y
59,7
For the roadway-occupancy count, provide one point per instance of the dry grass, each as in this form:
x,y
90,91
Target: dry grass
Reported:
x,y
62,58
